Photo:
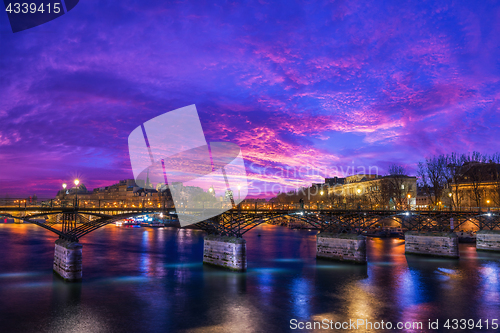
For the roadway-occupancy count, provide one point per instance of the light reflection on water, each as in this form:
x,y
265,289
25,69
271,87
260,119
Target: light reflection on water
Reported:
x,y
19,275
138,279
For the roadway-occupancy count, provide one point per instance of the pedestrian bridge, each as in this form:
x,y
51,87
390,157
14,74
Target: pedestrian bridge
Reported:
x,y
225,231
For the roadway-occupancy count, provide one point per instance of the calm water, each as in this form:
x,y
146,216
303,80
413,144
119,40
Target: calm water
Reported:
x,y
152,280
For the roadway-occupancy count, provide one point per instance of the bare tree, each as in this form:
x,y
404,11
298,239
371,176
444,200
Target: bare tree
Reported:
x,y
454,172
378,195
432,177
372,197
335,198
475,174
496,179
385,193
396,180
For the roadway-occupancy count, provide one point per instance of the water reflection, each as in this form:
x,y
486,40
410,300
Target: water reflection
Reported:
x,y
138,279
301,298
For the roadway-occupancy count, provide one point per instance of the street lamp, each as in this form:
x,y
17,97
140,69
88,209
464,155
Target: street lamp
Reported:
x,y
451,200
64,190
76,192
317,204
409,197
488,203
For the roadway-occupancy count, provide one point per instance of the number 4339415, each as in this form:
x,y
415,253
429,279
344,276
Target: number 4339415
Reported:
x,y
25,8
464,324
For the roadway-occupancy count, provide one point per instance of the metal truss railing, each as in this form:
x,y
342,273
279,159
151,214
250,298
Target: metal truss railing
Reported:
x,y
77,222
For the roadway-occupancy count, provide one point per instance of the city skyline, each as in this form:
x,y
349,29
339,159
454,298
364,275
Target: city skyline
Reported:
x,y
293,85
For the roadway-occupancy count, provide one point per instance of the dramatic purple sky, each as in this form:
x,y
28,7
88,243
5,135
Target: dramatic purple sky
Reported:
x,y
294,83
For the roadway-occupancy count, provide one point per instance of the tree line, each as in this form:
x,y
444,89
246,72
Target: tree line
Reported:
x,y
387,192
441,174
437,178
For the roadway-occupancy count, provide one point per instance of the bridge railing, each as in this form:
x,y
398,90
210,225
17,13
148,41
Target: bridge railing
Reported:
x,y
138,202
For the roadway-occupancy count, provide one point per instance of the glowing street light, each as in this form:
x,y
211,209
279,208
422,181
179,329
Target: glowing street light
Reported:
x,y
64,185
359,191
76,191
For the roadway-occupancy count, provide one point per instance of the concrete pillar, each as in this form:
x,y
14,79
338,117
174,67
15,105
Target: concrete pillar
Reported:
x,y
488,240
226,252
441,244
342,247
68,260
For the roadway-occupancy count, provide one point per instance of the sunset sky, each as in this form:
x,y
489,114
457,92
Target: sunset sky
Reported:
x,y
326,86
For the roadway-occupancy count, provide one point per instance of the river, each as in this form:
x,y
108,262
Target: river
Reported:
x,y
153,280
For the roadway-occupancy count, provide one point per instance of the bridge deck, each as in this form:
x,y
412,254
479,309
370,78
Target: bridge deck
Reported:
x,y
79,221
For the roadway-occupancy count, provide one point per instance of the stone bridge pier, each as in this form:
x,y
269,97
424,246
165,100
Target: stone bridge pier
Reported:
x,y
341,247
488,240
225,251
68,260
441,244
